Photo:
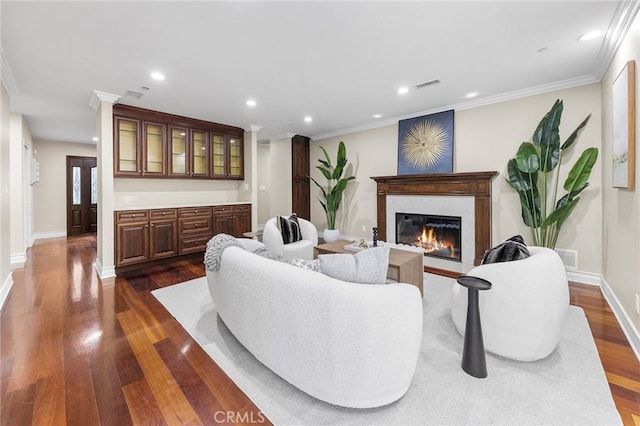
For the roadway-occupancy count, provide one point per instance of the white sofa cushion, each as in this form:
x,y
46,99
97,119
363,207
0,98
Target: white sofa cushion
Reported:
x,y
367,266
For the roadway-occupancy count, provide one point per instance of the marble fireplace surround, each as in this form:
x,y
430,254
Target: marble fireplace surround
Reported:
x,y
471,190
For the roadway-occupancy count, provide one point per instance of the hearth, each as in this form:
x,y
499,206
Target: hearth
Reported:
x,y
438,236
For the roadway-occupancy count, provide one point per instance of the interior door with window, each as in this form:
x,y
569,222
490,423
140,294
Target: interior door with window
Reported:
x,y
82,195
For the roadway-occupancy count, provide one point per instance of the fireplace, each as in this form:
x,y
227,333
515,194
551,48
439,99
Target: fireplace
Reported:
x,y
438,236
467,195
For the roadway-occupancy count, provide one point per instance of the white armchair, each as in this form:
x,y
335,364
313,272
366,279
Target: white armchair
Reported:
x,y
523,313
303,249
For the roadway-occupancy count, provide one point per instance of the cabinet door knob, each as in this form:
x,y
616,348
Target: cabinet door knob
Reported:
x,y
133,215
152,225
164,213
146,226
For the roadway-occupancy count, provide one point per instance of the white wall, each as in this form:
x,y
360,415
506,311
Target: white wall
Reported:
x,y
50,194
5,162
264,172
485,138
621,208
280,180
152,193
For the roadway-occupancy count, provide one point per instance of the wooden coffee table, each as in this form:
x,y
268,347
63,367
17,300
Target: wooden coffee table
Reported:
x,y
405,266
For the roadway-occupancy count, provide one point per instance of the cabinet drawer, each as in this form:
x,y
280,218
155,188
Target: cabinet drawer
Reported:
x,y
132,216
241,208
222,209
194,244
163,213
194,211
196,224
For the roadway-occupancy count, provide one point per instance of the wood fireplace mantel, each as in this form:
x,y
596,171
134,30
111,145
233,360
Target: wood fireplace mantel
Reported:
x,y
475,184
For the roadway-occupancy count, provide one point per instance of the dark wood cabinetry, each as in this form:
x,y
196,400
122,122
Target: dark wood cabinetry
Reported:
x,y
301,201
153,144
163,233
146,235
195,228
232,220
227,153
132,237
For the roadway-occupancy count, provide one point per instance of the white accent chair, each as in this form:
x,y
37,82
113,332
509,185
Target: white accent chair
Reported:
x,y
523,313
303,249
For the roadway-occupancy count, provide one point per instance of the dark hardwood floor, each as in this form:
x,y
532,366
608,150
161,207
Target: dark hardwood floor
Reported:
x,y
79,353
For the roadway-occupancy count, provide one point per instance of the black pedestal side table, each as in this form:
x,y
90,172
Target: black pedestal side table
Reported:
x,y
473,358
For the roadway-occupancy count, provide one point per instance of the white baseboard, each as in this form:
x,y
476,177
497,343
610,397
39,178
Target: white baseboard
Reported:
x,y
585,278
17,260
6,288
104,272
40,235
628,328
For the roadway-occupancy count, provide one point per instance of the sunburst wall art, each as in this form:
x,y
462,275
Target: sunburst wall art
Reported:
x,y
425,144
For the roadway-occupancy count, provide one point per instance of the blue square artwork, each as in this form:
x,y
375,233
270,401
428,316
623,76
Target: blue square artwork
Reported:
x,y
425,144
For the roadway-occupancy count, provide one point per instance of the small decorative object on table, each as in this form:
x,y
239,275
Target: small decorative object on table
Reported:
x,y
375,236
363,244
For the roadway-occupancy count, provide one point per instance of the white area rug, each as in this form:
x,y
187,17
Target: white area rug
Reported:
x,y
568,387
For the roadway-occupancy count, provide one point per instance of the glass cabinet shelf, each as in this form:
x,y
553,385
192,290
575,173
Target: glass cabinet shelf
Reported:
x,y
153,144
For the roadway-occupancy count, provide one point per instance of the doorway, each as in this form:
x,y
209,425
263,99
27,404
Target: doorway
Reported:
x,y
82,195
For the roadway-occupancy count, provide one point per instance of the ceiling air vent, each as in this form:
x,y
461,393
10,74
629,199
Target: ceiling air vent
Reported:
x,y
427,83
133,94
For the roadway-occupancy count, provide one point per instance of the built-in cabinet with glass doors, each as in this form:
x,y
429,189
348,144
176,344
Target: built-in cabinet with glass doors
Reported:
x,y
158,145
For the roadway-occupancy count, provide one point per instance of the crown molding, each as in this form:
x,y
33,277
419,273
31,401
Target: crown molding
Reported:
x,y
475,103
98,96
7,75
286,135
620,24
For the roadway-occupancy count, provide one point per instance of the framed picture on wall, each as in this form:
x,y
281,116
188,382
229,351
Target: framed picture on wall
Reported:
x,y
425,144
624,127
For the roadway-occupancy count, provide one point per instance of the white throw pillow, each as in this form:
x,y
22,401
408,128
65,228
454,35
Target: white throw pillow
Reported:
x,y
367,266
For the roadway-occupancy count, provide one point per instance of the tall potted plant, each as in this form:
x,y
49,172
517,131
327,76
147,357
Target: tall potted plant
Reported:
x,y
332,194
535,172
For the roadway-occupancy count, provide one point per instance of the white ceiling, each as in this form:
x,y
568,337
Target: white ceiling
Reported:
x,y
339,62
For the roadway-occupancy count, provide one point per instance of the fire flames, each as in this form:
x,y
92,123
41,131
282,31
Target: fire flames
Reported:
x,y
430,243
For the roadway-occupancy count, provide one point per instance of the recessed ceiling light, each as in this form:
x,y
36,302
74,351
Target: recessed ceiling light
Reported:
x,y
156,75
471,94
308,119
377,115
403,90
251,103
95,139
590,35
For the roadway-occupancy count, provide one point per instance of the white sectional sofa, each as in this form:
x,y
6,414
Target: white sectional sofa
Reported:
x,y
352,345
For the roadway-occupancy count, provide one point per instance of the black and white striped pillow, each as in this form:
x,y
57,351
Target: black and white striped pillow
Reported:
x,y
289,228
